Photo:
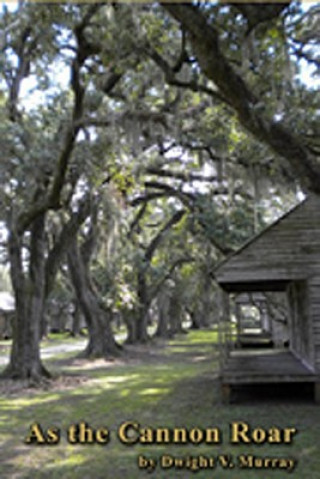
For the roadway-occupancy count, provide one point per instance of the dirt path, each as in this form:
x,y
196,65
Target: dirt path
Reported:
x,y
52,350
57,347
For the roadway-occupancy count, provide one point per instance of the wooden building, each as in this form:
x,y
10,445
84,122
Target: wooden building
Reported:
x,y
284,259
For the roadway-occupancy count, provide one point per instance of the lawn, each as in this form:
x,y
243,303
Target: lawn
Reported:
x,y
168,385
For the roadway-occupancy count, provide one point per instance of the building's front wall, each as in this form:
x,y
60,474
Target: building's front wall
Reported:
x,y
300,318
314,309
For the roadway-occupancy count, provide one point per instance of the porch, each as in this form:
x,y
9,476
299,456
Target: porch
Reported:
x,y
265,366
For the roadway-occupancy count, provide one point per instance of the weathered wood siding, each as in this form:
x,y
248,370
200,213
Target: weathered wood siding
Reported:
x,y
300,322
279,333
287,250
314,299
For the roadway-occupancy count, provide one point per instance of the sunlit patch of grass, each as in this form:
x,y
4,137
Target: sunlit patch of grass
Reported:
x,y
22,402
61,356
72,459
84,365
154,391
63,336
206,337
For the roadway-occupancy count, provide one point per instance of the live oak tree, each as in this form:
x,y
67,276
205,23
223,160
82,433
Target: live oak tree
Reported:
x,y
97,313
37,154
148,104
44,156
43,162
254,87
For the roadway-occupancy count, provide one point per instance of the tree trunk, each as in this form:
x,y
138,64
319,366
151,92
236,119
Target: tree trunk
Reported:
x,y
195,324
76,320
206,304
130,322
25,362
163,326
44,328
141,335
163,300
141,326
175,317
101,339
29,290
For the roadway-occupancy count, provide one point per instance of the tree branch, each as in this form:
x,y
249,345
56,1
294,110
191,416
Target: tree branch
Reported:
x,y
170,76
184,197
134,224
189,200
148,197
187,177
159,237
205,41
176,264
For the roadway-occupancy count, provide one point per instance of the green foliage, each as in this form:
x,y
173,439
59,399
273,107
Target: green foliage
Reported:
x,y
154,129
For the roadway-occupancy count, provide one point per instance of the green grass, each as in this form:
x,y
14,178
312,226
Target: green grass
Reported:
x,y
171,386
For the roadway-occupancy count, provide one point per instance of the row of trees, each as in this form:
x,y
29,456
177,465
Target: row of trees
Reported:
x,y
140,145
